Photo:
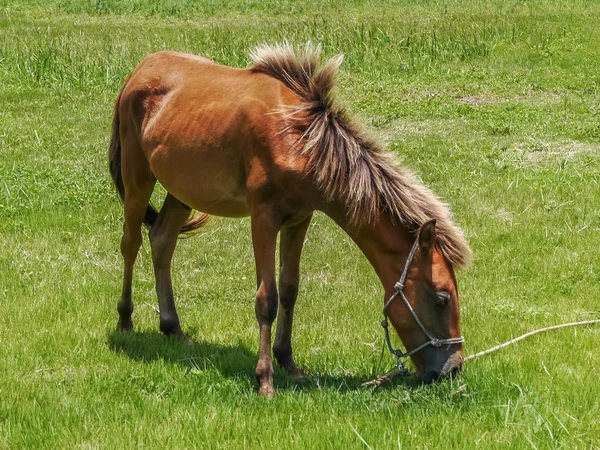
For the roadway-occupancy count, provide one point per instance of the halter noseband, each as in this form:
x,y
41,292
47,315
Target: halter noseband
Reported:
x,y
399,286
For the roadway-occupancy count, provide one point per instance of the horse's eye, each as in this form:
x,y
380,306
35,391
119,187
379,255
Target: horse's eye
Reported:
x,y
443,298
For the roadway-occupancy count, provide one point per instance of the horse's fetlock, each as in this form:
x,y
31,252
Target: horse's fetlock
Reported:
x,y
282,352
264,372
125,307
170,325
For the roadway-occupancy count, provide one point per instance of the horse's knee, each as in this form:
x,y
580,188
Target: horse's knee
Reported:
x,y
266,303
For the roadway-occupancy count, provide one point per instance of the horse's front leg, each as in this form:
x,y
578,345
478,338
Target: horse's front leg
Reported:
x,y
265,226
290,246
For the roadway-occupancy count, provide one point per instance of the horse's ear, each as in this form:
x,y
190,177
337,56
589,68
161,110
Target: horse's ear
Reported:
x,y
427,237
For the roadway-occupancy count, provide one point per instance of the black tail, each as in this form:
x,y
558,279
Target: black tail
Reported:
x,y
114,163
114,151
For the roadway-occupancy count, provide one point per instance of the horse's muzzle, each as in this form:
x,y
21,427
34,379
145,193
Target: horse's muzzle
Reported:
x,y
452,369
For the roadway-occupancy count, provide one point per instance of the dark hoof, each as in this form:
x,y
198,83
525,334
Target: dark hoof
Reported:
x,y
181,337
125,326
287,363
295,373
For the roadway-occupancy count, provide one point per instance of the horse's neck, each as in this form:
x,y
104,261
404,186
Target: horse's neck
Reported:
x,y
385,244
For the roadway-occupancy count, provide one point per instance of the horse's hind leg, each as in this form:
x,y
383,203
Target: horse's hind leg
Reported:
x,y
138,189
291,242
163,239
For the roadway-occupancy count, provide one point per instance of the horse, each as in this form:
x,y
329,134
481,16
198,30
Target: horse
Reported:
x,y
272,142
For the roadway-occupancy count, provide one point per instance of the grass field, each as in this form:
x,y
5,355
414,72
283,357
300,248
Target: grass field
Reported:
x,y
495,104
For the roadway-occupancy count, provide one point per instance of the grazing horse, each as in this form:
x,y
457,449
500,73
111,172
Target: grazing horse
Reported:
x,y
270,142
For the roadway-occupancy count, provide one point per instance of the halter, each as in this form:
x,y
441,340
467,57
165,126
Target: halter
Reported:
x,y
434,342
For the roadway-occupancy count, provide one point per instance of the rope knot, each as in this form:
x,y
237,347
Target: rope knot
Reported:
x,y
399,286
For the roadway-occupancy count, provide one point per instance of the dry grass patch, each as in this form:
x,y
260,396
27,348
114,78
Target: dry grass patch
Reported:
x,y
538,151
530,97
410,129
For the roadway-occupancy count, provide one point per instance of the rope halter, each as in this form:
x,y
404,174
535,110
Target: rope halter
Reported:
x,y
434,342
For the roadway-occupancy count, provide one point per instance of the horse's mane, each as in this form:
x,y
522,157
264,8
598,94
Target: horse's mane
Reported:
x,y
347,164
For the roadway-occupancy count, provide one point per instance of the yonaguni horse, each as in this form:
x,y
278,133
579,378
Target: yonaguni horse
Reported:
x,y
270,142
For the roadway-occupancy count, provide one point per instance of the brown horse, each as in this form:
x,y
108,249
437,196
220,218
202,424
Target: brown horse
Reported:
x,y
270,142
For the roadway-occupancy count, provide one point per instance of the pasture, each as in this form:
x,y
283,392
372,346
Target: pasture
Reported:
x,y
496,105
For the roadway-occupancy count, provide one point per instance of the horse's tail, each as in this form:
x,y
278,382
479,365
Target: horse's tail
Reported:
x,y
114,150
114,163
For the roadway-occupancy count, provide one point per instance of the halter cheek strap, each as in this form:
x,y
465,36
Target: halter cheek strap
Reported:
x,y
399,286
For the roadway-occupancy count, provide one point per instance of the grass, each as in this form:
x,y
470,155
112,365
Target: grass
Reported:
x,y
495,104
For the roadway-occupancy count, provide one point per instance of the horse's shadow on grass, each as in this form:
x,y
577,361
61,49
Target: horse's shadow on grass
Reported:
x,y
232,361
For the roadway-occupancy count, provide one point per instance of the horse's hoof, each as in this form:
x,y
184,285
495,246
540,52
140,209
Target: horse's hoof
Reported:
x,y
296,374
125,326
181,337
187,340
299,378
266,391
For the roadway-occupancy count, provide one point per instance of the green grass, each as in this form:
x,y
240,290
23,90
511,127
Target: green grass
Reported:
x,y
495,104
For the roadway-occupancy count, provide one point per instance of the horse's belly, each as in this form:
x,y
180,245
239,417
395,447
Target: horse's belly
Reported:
x,y
196,147
209,181
228,208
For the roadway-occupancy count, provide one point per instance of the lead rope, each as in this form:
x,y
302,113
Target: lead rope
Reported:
x,y
389,376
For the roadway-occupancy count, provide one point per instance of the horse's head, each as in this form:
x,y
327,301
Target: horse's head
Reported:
x,y
430,288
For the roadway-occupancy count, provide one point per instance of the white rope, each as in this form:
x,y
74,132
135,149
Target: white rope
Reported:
x,y
531,333
389,376
156,310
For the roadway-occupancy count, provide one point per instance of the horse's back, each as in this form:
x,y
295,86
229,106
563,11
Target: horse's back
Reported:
x,y
202,126
192,86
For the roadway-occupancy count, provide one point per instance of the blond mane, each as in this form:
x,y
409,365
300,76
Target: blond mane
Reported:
x,y
347,164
